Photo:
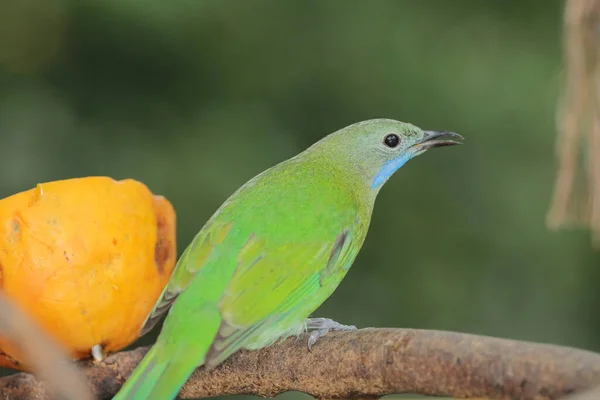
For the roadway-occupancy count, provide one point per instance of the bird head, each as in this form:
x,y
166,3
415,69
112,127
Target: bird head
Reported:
x,y
379,147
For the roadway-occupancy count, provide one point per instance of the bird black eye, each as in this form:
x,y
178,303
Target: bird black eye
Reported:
x,y
392,140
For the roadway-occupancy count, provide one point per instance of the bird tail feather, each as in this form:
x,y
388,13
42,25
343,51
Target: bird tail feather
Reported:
x,y
154,379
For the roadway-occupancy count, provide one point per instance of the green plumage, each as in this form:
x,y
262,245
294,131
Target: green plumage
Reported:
x,y
272,253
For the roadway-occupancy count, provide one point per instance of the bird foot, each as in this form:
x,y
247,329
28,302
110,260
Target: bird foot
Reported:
x,y
321,327
98,353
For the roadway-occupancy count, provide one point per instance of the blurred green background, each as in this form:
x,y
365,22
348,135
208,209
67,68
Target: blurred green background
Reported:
x,y
195,97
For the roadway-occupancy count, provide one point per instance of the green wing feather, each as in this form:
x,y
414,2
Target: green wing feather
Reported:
x,y
190,262
258,297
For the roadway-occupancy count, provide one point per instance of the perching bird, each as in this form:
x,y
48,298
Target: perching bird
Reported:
x,y
273,253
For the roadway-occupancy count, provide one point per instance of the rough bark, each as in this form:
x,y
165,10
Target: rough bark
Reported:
x,y
368,363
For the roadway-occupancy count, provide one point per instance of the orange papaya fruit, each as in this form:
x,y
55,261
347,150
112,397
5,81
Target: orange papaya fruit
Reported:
x,y
87,258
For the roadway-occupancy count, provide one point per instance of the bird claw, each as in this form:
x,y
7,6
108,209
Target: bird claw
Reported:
x,y
322,326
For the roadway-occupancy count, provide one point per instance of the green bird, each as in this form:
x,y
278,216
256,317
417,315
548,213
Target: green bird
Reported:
x,y
273,253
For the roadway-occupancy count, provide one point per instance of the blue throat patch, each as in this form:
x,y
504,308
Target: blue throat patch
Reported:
x,y
389,168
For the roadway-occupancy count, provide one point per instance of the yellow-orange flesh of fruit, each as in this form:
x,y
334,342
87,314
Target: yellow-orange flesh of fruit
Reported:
x,y
87,258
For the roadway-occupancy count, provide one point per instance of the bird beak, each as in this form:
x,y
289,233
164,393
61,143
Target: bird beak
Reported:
x,y
433,139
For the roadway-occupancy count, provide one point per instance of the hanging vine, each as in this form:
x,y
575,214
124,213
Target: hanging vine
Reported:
x,y
576,198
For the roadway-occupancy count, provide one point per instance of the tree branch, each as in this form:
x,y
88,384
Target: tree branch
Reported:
x,y
367,363
43,354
